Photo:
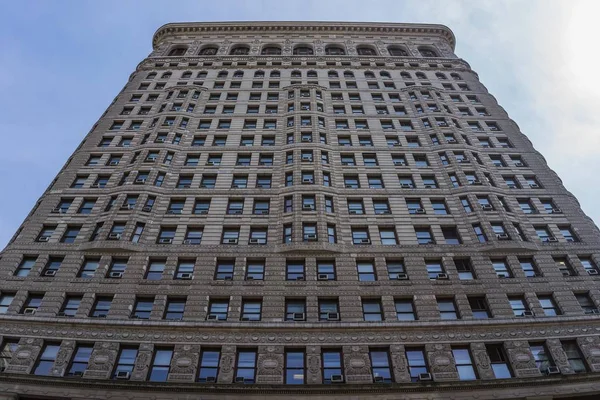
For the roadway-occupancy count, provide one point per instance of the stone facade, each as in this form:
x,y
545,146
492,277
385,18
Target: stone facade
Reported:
x,y
292,114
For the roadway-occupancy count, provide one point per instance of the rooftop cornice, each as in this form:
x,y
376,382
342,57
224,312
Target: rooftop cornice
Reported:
x,y
179,28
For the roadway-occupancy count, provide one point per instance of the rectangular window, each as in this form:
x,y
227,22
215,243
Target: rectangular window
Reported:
x,y
332,366
218,310
464,269
295,371
574,356
142,308
518,305
174,309
372,310
542,357
435,269
155,270
501,268
447,308
89,267
295,310
25,266
528,266
405,310
224,269
161,365
381,365
464,363
366,271
70,306
6,300
326,270
295,270
125,363
80,360
549,305
245,367
499,361
251,310
479,307
46,360
417,364
101,307
209,365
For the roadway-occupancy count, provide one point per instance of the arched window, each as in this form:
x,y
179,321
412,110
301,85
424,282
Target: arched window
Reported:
x,y
238,74
186,75
426,52
275,74
311,74
366,51
151,75
296,74
259,74
334,50
405,75
369,75
348,74
239,51
165,75
385,74
209,51
271,51
455,76
303,50
420,75
222,74
439,75
332,74
397,51
202,74
178,51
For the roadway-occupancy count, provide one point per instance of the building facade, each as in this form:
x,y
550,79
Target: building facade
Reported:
x,y
315,210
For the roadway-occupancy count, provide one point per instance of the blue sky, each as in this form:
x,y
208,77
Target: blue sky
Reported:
x,y
63,62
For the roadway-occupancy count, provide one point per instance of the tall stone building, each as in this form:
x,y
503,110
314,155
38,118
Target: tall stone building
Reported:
x,y
305,209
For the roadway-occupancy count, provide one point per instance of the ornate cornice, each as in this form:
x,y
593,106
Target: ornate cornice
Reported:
x,y
183,28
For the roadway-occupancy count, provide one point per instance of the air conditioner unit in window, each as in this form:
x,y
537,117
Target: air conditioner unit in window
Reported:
x,y
333,316
95,185
57,211
115,275
114,163
399,163
310,237
184,275
527,314
365,241
378,379
406,186
336,378
210,379
127,206
122,375
322,277
175,211
425,377
300,278
419,211
307,180
397,145
566,273
464,161
140,181
165,241
159,140
592,272
235,212
592,311
254,241
476,183
29,311
212,317
50,272
519,164
261,212
503,236
534,185
211,163
552,371
114,236
556,211
191,241
402,276
43,238
308,207
298,316
306,140
146,209
451,140
442,276
551,239
486,207
231,241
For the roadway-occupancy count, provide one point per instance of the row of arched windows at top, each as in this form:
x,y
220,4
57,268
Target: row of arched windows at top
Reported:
x,y
309,74
304,49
